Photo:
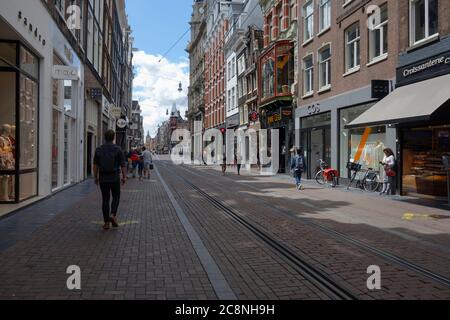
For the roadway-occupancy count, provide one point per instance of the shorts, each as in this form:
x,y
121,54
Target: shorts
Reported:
x,y
147,165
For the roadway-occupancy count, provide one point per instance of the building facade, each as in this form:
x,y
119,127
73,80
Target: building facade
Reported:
x,y
217,26
419,108
277,74
196,90
42,116
343,62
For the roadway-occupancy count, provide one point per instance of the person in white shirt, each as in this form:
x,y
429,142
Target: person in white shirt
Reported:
x,y
389,167
148,162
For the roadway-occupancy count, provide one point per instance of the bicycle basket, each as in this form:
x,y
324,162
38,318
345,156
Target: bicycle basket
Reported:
x,y
353,166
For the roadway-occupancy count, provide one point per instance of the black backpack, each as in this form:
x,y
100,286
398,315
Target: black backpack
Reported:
x,y
108,159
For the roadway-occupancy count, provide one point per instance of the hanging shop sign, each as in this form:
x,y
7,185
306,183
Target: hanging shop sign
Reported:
x,y
96,93
380,88
116,112
254,116
65,73
122,123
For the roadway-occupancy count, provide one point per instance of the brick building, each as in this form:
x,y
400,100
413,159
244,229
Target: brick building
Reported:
x,y
419,108
339,56
214,86
277,73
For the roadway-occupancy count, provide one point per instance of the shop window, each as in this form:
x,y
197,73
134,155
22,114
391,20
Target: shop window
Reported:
x,y
28,123
8,54
352,48
423,169
7,135
378,35
423,19
55,148
362,145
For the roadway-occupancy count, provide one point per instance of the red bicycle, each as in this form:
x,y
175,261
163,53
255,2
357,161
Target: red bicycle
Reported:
x,y
326,175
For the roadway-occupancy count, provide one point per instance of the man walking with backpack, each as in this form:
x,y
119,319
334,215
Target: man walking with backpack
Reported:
x,y
109,163
298,165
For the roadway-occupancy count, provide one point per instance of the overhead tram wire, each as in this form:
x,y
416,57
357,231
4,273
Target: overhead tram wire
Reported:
x,y
176,42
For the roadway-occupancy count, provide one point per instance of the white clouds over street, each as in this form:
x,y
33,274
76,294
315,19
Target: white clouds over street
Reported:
x,y
156,87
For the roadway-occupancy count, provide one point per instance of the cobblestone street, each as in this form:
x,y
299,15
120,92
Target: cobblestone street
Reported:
x,y
191,234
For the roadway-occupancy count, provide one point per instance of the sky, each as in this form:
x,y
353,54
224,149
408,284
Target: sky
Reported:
x,y
157,25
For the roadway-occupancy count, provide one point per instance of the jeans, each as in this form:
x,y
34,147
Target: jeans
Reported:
x,y
298,177
107,189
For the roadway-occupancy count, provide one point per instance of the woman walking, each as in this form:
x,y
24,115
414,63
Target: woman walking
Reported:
x,y
389,171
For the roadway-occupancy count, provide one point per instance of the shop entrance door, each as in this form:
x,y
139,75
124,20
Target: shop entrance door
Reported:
x,y
317,144
89,154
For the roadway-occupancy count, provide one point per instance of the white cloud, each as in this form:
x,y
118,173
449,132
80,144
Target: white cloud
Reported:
x,y
156,87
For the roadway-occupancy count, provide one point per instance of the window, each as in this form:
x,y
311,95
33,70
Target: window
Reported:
x,y
325,14
423,19
229,70
308,20
60,5
378,36
308,75
233,99
233,67
352,48
325,67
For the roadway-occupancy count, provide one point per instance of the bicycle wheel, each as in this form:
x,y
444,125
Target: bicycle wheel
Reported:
x,y
334,181
371,184
319,178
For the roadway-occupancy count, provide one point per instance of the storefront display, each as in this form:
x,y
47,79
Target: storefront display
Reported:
x,y
362,145
18,153
423,169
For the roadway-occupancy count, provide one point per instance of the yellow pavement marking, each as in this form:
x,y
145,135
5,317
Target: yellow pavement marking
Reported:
x,y
412,216
123,223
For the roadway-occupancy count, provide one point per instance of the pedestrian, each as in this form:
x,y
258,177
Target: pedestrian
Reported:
x,y
134,161
224,165
298,166
148,162
109,163
388,164
237,160
141,166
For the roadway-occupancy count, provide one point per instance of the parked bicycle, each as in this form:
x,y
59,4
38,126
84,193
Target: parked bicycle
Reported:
x,y
326,174
368,180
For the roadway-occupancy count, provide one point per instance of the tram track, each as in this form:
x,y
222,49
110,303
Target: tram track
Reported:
x,y
316,276
386,256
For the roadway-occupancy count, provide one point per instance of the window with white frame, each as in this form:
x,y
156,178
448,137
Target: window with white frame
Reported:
x,y
324,14
352,48
325,67
378,35
229,100
308,20
233,67
229,70
233,99
423,19
308,75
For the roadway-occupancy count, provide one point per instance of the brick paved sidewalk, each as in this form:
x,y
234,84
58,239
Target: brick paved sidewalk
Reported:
x,y
150,257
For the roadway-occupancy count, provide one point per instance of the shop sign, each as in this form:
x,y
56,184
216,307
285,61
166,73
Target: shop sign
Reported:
x,y
254,116
32,29
116,112
313,109
96,93
380,89
276,117
122,123
65,73
286,113
427,68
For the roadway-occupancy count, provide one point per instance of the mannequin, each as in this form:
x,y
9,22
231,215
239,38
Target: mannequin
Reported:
x,y
12,139
7,161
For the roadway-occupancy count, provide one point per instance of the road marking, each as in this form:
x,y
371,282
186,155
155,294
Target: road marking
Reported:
x,y
121,224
